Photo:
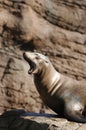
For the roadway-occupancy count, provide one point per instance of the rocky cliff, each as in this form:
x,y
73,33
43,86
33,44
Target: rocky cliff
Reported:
x,y
56,28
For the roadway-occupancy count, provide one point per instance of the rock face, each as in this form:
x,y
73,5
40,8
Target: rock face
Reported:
x,y
17,122
55,28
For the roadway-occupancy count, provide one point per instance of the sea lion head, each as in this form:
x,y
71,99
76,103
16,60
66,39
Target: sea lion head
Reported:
x,y
36,62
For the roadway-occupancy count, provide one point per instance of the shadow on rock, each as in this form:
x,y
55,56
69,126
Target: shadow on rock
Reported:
x,y
13,120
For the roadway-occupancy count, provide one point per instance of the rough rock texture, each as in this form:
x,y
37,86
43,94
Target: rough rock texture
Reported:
x,y
18,122
56,28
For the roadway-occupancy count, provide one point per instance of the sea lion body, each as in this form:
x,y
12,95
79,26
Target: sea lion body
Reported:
x,y
63,95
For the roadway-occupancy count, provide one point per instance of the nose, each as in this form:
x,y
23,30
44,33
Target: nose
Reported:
x,y
25,56
23,53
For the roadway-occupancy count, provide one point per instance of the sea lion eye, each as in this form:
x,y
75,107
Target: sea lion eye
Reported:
x,y
46,61
37,58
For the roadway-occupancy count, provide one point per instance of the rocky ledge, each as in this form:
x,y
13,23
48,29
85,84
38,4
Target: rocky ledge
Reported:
x,y
56,28
21,120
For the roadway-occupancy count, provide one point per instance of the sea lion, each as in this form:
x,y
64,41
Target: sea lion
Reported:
x,y
62,94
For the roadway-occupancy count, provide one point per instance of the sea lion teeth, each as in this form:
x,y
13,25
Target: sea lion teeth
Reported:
x,y
31,64
62,94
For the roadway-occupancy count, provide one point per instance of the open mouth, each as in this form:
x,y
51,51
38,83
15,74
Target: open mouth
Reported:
x,y
31,64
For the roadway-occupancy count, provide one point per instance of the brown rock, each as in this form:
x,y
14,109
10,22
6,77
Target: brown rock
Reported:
x,y
17,120
56,28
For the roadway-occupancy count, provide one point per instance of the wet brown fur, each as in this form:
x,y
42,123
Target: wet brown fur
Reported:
x,y
68,100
